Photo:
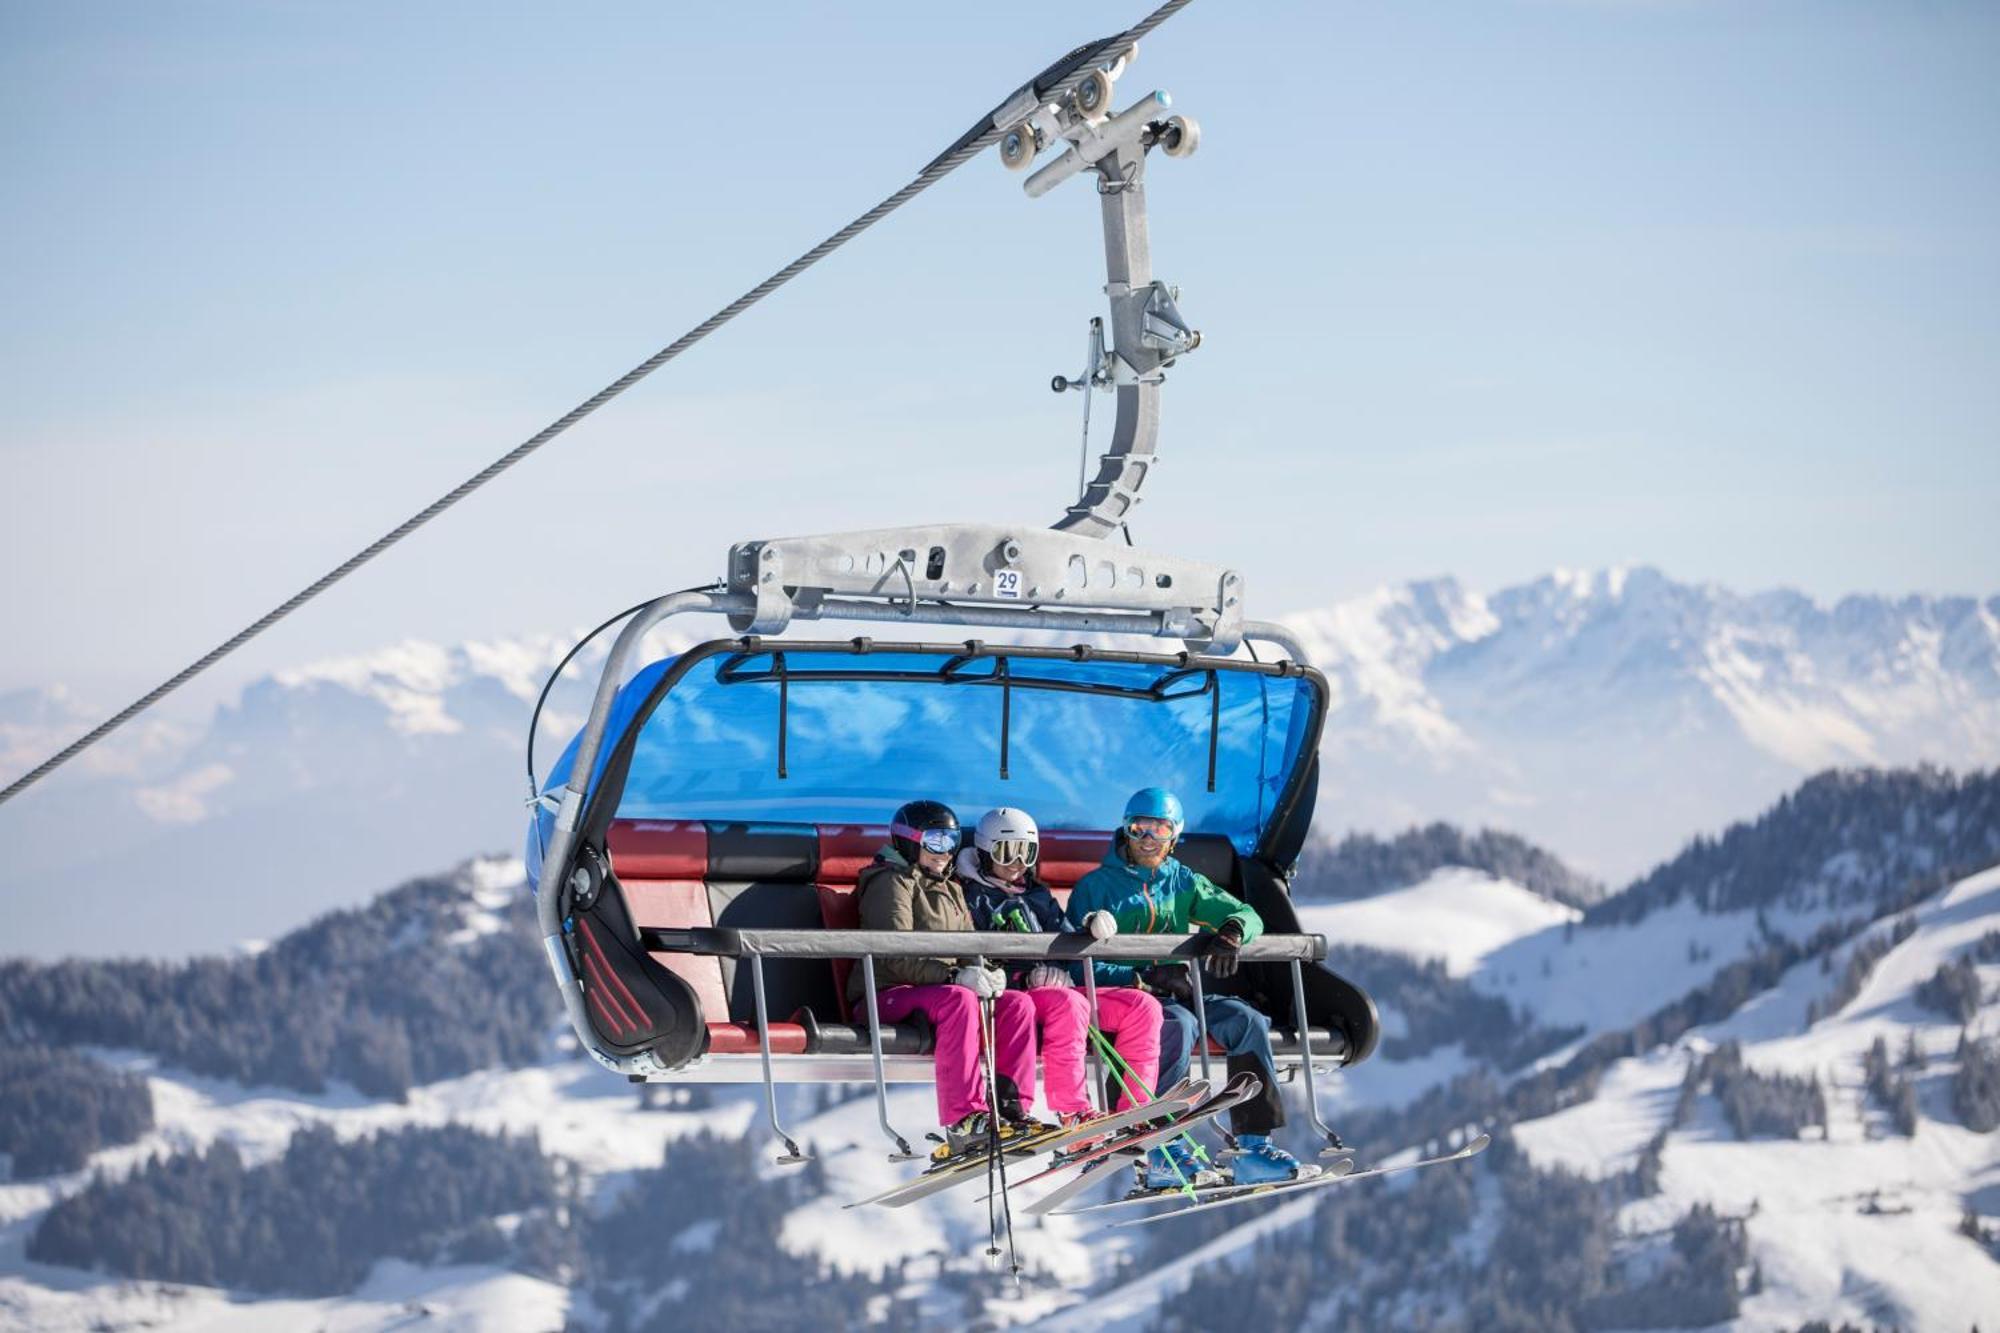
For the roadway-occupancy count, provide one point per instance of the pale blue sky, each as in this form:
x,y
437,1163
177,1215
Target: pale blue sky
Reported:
x,y
1487,289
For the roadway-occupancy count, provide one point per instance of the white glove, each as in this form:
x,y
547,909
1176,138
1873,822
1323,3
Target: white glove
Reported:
x,y
1044,976
985,982
1100,925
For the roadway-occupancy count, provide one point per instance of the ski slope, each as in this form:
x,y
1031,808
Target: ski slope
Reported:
x,y
578,1112
1460,917
1860,1224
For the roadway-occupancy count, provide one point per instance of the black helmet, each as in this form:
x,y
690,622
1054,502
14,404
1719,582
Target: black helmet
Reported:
x,y
915,819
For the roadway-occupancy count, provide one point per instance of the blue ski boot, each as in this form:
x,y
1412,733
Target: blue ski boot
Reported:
x,y
1262,1162
1169,1167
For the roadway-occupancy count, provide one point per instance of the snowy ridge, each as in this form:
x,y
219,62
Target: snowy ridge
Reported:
x,y
313,772
1853,1223
1606,715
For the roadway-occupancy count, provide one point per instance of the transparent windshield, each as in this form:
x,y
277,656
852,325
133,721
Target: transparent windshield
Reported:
x,y
1078,738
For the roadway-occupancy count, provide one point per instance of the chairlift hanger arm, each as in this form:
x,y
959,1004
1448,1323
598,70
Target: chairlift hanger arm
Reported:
x,y
1148,333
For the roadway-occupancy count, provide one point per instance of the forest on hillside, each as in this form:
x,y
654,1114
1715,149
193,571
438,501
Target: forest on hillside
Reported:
x,y
1362,864
1848,839
383,997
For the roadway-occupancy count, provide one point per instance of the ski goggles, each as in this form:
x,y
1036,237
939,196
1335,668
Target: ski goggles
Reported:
x,y
1015,851
930,839
1149,830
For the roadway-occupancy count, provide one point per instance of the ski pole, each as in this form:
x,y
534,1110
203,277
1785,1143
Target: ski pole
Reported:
x,y
992,1133
1126,1074
996,1159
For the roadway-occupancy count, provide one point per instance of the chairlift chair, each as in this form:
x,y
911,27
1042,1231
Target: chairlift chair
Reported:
x,y
694,848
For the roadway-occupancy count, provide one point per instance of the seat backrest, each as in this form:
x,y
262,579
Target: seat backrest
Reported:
x,y
760,876
1212,855
844,852
683,873
663,868
1067,856
686,873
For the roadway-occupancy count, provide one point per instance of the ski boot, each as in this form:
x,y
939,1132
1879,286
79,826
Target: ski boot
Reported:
x,y
1026,1124
1262,1162
1175,1165
1068,1120
972,1136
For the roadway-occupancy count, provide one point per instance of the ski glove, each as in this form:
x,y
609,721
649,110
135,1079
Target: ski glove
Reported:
x,y
1049,976
985,982
1170,980
1100,925
1219,953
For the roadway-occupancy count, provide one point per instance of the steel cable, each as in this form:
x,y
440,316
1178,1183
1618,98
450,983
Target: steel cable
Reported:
x,y
1053,83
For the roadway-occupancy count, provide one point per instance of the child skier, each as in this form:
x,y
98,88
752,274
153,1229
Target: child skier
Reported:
x,y
909,887
1004,893
1149,892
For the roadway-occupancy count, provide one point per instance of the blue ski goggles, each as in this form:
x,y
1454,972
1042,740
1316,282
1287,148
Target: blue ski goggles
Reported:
x,y
930,839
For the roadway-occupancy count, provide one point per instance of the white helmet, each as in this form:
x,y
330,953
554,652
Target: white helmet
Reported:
x,y
1009,836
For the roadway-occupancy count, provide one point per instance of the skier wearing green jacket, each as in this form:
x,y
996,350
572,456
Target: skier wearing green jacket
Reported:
x,y
1147,891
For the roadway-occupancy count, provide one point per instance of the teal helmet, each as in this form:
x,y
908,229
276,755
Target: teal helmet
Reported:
x,y
1157,803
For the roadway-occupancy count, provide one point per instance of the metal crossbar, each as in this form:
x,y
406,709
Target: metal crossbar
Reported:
x,y
727,943
868,945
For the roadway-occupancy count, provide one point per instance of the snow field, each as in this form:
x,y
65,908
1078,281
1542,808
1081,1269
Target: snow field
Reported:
x,y
396,1296
1458,916
578,1111
1860,1224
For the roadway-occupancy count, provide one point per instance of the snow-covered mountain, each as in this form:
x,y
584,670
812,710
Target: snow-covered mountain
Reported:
x,y
1765,1112
311,782
1606,717
1866,1215
1609,716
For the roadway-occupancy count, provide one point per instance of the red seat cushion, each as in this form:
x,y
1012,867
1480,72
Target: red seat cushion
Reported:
x,y
1068,855
659,849
844,852
846,849
741,1039
840,909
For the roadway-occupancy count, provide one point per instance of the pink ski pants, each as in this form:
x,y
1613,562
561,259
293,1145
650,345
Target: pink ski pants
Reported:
x,y
954,1014
1130,1018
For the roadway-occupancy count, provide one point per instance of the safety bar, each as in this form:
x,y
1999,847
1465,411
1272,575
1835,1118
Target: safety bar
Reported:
x,y
726,943
868,945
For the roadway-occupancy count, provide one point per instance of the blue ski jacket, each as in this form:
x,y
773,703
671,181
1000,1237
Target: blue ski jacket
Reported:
x,y
1166,901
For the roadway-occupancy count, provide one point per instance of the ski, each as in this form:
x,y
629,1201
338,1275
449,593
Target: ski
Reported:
x,y
944,1175
1251,1193
1099,1162
1145,1138
1202,1193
